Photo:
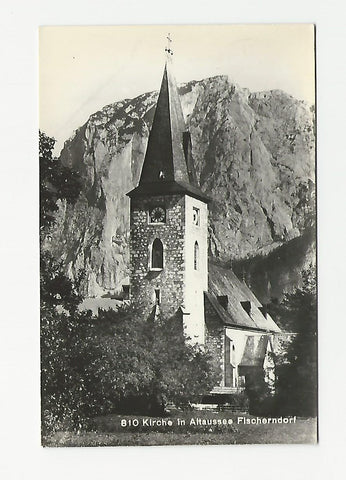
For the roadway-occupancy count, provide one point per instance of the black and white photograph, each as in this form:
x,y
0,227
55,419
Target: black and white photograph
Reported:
x,y
177,170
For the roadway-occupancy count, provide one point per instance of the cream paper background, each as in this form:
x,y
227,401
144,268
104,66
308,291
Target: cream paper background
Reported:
x,y
21,454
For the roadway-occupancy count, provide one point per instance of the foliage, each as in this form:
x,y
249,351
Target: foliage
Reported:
x,y
65,351
47,199
260,393
297,365
56,182
65,355
93,365
57,291
148,361
181,371
90,364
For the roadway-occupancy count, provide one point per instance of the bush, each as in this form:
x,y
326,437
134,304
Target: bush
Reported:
x,y
94,365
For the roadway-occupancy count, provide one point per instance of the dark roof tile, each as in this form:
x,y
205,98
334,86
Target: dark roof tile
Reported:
x,y
168,165
222,281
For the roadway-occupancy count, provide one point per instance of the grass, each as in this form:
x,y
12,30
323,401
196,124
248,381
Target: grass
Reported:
x,y
107,431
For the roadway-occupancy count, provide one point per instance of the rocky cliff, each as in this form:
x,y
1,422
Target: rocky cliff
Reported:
x,y
254,155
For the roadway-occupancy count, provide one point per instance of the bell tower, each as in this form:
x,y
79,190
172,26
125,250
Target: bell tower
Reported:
x,y
169,219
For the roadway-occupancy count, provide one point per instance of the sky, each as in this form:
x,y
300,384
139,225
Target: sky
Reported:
x,y
82,69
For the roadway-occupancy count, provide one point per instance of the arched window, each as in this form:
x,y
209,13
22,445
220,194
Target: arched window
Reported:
x,y
157,254
196,256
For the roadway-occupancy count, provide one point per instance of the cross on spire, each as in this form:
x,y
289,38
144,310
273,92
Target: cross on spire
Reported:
x,y
168,47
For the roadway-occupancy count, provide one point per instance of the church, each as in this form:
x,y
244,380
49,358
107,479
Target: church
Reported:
x,y
169,267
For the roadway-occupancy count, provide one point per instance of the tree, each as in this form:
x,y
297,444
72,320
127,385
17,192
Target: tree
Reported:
x,y
148,362
56,290
47,198
297,366
56,182
95,364
116,361
182,372
58,294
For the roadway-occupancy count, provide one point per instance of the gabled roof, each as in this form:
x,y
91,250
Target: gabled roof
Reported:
x,y
222,281
168,165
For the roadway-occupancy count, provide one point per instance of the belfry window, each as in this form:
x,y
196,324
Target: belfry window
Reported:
x,y
196,256
157,254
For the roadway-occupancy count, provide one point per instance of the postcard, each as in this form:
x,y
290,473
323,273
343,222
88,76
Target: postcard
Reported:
x,y
178,235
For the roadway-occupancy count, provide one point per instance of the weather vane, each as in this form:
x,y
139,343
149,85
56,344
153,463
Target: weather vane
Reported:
x,y
168,48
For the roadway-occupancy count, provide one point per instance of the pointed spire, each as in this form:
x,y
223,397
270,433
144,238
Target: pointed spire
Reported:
x,y
165,157
168,164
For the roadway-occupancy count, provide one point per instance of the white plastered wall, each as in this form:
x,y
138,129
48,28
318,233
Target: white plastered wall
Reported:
x,y
195,281
239,338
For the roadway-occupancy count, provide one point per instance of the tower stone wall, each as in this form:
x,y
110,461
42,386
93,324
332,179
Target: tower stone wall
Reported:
x,y
170,280
169,217
184,277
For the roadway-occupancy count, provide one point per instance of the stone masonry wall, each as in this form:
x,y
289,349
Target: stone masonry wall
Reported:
x,y
170,280
215,339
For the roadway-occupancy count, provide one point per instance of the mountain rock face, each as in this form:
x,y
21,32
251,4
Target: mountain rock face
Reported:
x,y
253,153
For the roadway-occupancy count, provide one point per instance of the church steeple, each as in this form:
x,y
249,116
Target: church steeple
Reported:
x,y
168,164
169,220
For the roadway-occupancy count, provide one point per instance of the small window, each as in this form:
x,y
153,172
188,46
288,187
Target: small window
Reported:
x,y
126,292
157,296
246,306
223,301
195,216
232,352
157,254
196,256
